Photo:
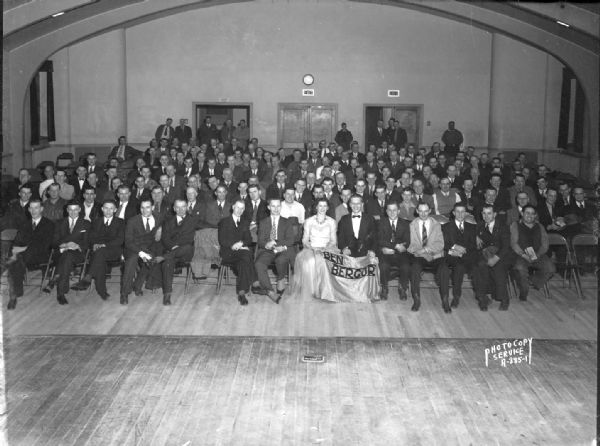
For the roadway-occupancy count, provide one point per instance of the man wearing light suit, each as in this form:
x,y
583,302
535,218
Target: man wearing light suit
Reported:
x,y
275,243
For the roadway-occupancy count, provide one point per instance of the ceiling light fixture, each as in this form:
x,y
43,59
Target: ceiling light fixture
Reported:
x,y
566,25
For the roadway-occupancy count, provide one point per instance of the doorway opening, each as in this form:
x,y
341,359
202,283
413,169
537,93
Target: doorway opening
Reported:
x,y
220,113
409,116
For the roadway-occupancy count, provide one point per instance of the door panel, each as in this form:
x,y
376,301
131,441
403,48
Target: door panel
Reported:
x,y
321,124
300,123
293,127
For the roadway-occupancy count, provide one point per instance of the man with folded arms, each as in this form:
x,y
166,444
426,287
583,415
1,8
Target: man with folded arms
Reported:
x,y
142,246
106,239
71,242
460,249
529,240
275,244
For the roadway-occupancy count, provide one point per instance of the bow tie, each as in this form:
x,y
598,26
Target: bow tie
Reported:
x,y
356,216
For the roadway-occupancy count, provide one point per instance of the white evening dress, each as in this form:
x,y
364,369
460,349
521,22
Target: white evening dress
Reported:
x,y
309,265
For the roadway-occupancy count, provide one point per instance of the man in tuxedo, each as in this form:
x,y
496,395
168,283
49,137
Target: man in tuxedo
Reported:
x,y
183,132
235,240
356,231
460,251
529,241
427,248
31,246
90,208
127,207
393,239
165,131
106,240
70,245
122,151
493,259
142,247
275,244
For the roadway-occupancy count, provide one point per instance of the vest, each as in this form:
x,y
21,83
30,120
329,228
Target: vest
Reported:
x,y
445,204
530,236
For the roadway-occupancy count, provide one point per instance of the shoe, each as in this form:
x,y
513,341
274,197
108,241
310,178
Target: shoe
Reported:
x,y
402,293
242,298
483,303
198,279
522,297
104,296
48,288
258,290
504,305
384,293
82,285
446,305
12,304
138,292
416,303
274,296
124,300
455,301
61,299
167,299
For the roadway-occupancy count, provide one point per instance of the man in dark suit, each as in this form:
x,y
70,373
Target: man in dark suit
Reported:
x,y
91,164
178,243
211,169
127,207
31,246
139,191
161,169
17,211
183,132
277,188
122,151
356,231
397,136
106,241
195,207
393,239
206,132
256,209
161,209
230,185
235,240
70,244
493,259
376,207
90,208
275,244
166,131
175,181
79,182
460,252
142,246
376,135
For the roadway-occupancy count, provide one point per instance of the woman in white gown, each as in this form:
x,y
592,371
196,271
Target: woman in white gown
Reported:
x,y
319,234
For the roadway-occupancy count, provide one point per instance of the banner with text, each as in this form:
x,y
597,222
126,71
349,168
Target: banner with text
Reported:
x,y
352,279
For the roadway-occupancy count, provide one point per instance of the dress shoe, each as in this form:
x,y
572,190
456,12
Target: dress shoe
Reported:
x,y
104,296
61,299
138,292
483,303
82,285
384,293
446,305
504,305
258,290
198,279
523,297
167,299
242,298
455,302
416,303
12,304
49,286
124,300
274,296
402,293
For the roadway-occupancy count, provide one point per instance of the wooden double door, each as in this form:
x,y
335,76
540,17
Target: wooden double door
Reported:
x,y
302,123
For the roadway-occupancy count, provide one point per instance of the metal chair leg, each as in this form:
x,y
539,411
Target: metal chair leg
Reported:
x,y
187,280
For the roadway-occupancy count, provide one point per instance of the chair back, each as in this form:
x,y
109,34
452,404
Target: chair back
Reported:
x,y
584,240
8,235
64,159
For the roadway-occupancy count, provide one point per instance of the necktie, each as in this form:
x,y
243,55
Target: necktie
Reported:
x,y
180,222
580,204
460,227
120,209
172,182
356,216
188,171
220,208
273,230
121,152
147,224
424,234
235,221
393,226
106,222
71,225
190,207
487,227
33,225
381,203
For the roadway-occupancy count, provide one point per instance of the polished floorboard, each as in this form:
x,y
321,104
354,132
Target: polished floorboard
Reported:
x,y
169,390
204,313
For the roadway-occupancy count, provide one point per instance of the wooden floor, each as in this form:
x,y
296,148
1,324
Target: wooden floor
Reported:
x,y
150,390
203,313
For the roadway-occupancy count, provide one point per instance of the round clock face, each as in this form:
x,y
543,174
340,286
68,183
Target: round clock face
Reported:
x,y
308,79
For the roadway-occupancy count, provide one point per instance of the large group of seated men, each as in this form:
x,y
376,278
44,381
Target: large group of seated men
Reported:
x,y
440,208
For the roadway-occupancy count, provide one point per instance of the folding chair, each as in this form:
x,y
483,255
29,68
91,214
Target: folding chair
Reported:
x,y
44,266
225,270
188,274
579,241
557,240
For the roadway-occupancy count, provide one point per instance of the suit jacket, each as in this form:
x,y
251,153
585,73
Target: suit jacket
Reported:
x,y
213,215
512,192
136,237
183,134
199,209
206,133
374,137
232,189
162,211
340,211
157,172
452,236
544,216
80,234
273,191
262,211
499,238
161,128
435,238
130,152
373,208
38,241
111,236
217,172
229,234
366,240
146,194
94,212
15,215
78,194
285,232
131,209
386,238
470,202
174,234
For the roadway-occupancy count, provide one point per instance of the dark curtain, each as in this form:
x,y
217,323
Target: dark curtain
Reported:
x,y
34,109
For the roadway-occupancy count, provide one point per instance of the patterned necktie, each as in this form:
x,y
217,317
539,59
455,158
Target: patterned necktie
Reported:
x,y
424,234
273,230
394,227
